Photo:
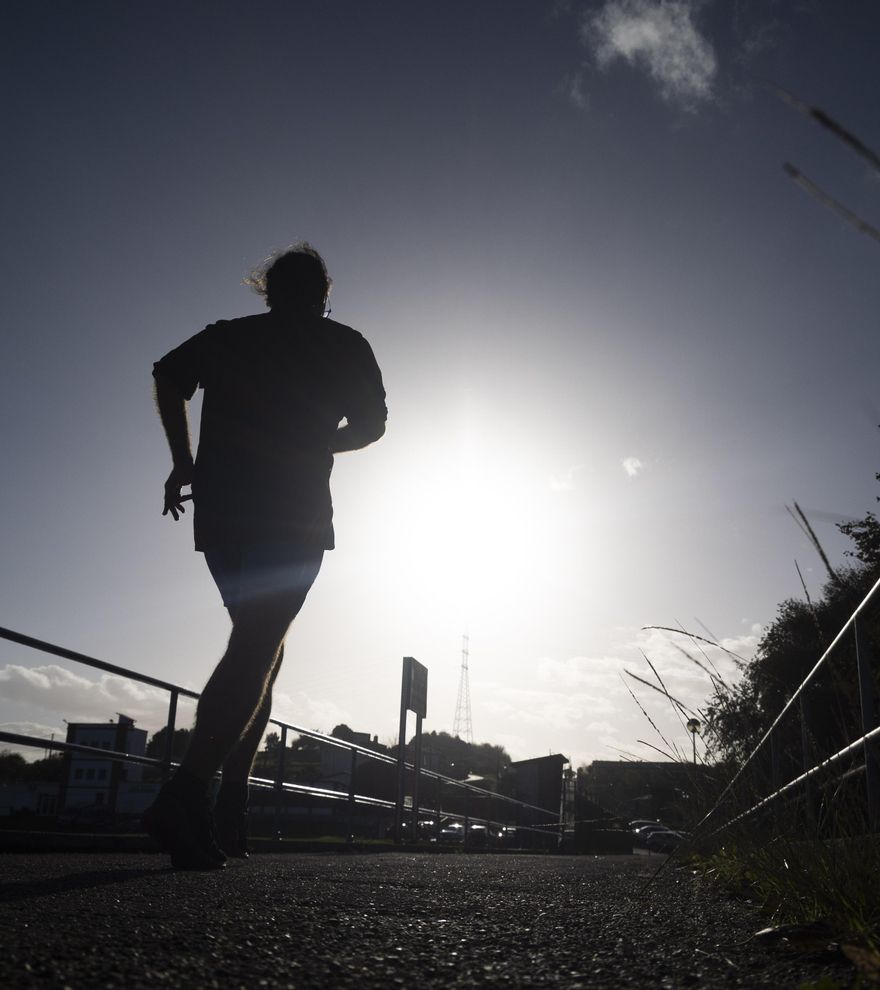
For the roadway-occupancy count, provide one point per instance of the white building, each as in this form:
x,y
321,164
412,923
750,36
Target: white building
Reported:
x,y
94,782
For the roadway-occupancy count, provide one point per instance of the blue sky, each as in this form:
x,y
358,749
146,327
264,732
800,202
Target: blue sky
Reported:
x,y
616,338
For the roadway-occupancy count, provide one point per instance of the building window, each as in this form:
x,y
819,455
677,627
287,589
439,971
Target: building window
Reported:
x,y
90,773
99,797
78,773
102,775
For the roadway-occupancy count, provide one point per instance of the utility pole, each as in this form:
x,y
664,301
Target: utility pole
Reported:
x,y
693,727
462,727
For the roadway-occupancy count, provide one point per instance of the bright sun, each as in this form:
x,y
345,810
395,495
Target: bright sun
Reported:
x,y
469,523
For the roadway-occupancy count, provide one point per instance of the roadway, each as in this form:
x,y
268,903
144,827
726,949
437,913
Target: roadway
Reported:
x,y
125,921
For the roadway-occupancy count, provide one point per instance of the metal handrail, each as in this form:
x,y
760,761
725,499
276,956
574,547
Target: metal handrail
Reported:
x,y
385,758
869,736
112,668
65,747
176,690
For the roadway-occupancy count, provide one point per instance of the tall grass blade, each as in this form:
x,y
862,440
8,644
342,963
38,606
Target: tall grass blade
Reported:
x,y
657,749
741,661
826,199
717,682
830,124
665,690
644,712
687,711
630,757
808,529
815,615
706,656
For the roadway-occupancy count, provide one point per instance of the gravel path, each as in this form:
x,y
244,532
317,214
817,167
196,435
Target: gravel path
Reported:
x,y
90,921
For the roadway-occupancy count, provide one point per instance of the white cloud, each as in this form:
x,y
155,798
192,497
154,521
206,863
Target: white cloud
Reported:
x,y
565,480
659,38
36,729
582,706
573,88
318,714
77,699
32,729
632,466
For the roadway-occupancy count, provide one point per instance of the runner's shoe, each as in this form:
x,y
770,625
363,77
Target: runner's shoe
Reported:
x,y
231,818
185,830
232,833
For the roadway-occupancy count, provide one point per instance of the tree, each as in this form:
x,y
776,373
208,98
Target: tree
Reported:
x,y
50,768
455,757
344,733
156,745
786,654
865,534
12,766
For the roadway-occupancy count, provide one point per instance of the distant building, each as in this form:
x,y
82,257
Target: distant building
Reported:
x,y
543,782
94,782
337,763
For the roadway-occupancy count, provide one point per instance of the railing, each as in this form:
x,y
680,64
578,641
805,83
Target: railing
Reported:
x,y
280,786
867,742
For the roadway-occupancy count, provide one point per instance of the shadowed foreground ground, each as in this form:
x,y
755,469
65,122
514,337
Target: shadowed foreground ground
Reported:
x,y
124,920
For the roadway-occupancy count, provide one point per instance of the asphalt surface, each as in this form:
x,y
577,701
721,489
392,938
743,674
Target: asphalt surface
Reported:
x,y
122,920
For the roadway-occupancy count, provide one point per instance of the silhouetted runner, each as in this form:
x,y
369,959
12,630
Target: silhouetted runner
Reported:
x,y
276,388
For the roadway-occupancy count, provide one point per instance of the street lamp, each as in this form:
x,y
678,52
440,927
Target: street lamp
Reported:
x,y
693,727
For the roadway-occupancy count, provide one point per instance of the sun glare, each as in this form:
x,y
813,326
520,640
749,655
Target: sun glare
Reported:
x,y
467,524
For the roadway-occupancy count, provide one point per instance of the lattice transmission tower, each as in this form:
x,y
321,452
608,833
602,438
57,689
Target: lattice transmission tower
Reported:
x,y
462,727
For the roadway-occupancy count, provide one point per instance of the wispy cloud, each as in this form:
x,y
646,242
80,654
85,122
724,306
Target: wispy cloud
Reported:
x,y
319,714
36,729
659,38
582,706
71,696
632,466
572,87
565,480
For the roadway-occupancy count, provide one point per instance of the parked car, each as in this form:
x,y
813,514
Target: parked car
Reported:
x,y
478,835
426,829
507,835
639,822
642,833
452,832
664,840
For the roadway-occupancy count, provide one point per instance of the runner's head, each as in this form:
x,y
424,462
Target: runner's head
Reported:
x,y
293,281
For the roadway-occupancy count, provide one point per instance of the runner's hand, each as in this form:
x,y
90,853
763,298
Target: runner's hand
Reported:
x,y
179,478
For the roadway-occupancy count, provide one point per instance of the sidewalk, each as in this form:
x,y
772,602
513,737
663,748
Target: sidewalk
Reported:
x,y
126,921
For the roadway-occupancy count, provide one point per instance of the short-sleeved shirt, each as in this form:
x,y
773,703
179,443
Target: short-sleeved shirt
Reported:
x,y
275,392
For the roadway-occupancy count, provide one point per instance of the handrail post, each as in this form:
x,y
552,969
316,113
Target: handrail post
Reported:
x,y
352,767
169,734
775,766
416,779
438,824
868,702
279,780
807,751
467,820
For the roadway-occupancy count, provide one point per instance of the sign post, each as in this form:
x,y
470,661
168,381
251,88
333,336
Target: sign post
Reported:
x,y
413,698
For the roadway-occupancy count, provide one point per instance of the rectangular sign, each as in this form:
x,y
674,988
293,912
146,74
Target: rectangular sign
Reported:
x,y
415,677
